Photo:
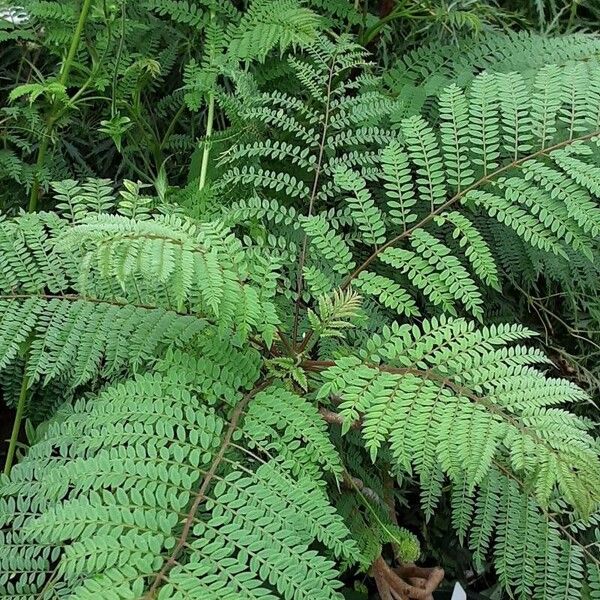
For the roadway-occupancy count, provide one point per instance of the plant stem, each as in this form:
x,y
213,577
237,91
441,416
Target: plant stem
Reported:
x,y
33,204
171,126
313,195
64,76
206,150
75,41
201,495
41,157
572,15
12,447
210,117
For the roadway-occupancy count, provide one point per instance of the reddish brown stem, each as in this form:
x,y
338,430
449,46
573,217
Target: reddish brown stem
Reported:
x,y
336,419
201,495
458,196
311,203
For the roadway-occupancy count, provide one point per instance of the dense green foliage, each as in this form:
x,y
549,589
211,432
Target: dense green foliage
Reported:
x,y
272,275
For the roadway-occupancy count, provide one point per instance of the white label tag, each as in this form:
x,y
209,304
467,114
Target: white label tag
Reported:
x,y
458,593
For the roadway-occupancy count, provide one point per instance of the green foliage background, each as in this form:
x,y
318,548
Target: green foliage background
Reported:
x,y
296,294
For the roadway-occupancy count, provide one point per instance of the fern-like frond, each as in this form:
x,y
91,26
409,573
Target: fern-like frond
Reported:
x,y
477,412
270,24
117,495
431,376
110,291
428,69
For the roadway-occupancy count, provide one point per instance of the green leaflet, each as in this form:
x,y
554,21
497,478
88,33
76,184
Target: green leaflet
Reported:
x,y
103,328
112,497
232,388
430,386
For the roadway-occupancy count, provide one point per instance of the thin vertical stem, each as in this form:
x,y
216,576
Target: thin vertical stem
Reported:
x,y
85,9
113,103
313,195
14,438
33,204
572,15
210,117
41,157
64,77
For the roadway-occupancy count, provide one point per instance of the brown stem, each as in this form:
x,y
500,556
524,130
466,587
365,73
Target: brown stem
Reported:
x,y
358,484
336,419
458,196
79,297
313,194
317,365
200,496
321,365
285,343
